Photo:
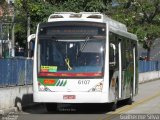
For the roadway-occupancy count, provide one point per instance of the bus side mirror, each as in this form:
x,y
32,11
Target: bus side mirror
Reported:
x,y
31,41
30,37
112,56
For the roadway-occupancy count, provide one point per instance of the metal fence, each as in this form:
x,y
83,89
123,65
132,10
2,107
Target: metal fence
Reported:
x,y
15,72
146,66
18,71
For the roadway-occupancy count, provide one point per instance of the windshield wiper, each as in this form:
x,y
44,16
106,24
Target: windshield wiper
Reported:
x,y
84,44
82,47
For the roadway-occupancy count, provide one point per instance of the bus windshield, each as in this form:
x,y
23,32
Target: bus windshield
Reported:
x,y
71,56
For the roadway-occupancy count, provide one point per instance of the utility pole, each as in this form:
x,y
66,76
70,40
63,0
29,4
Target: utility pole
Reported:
x,y
28,32
25,7
13,34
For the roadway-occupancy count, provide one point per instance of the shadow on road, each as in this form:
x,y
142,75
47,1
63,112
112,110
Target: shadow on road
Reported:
x,y
73,108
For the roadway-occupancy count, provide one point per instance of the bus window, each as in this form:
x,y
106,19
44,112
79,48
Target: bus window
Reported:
x,y
112,54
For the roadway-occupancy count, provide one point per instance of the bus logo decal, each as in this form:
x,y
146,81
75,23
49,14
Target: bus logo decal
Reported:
x,y
52,82
61,83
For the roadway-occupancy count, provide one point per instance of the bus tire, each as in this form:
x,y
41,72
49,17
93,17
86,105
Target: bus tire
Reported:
x,y
130,99
51,107
114,106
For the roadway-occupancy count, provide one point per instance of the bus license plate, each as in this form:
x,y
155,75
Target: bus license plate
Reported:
x,y
65,97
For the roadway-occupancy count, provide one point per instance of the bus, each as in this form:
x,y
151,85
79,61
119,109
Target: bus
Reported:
x,y
84,57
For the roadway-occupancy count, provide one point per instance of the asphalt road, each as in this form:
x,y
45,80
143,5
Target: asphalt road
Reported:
x,y
146,106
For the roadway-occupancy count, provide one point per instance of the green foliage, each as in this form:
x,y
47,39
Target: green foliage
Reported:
x,y
39,11
2,2
73,5
96,6
142,17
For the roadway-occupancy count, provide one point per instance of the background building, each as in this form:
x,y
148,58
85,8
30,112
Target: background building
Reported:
x,y
6,25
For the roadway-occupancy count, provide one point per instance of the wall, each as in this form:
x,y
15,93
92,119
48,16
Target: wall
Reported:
x,y
12,98
148,76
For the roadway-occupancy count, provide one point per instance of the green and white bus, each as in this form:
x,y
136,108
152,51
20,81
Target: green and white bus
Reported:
x,y
84,57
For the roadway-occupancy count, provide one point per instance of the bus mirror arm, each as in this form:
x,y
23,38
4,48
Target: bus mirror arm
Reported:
x,y
31,37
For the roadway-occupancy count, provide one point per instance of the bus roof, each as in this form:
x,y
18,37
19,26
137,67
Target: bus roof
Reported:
x,y
86,16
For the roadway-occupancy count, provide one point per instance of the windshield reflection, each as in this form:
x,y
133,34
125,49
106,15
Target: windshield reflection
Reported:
x,y
72,55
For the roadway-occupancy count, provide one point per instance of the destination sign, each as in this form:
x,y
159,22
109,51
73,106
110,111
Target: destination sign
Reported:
x,y
72,29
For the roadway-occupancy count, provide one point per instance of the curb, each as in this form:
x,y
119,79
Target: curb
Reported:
x,y
146,81
15,109
7,111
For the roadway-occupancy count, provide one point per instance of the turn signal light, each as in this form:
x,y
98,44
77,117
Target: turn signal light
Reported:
x,y
49,81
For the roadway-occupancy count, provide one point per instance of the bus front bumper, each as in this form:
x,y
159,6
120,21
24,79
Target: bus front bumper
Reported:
x,y
70,97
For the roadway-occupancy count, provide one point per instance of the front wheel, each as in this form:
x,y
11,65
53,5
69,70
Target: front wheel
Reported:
x,y
114,106
130,99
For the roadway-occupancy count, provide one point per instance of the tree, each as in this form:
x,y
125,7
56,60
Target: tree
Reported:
x,y
141,18
39,10
36,10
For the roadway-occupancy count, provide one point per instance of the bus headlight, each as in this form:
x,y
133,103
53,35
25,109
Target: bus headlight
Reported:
x,y
43,88
97,88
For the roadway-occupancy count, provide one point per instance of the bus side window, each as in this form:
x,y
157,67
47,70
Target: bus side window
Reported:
x,y
112,54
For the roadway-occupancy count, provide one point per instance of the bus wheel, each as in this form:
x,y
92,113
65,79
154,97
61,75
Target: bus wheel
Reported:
x,y
114,106
130,100
51,107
